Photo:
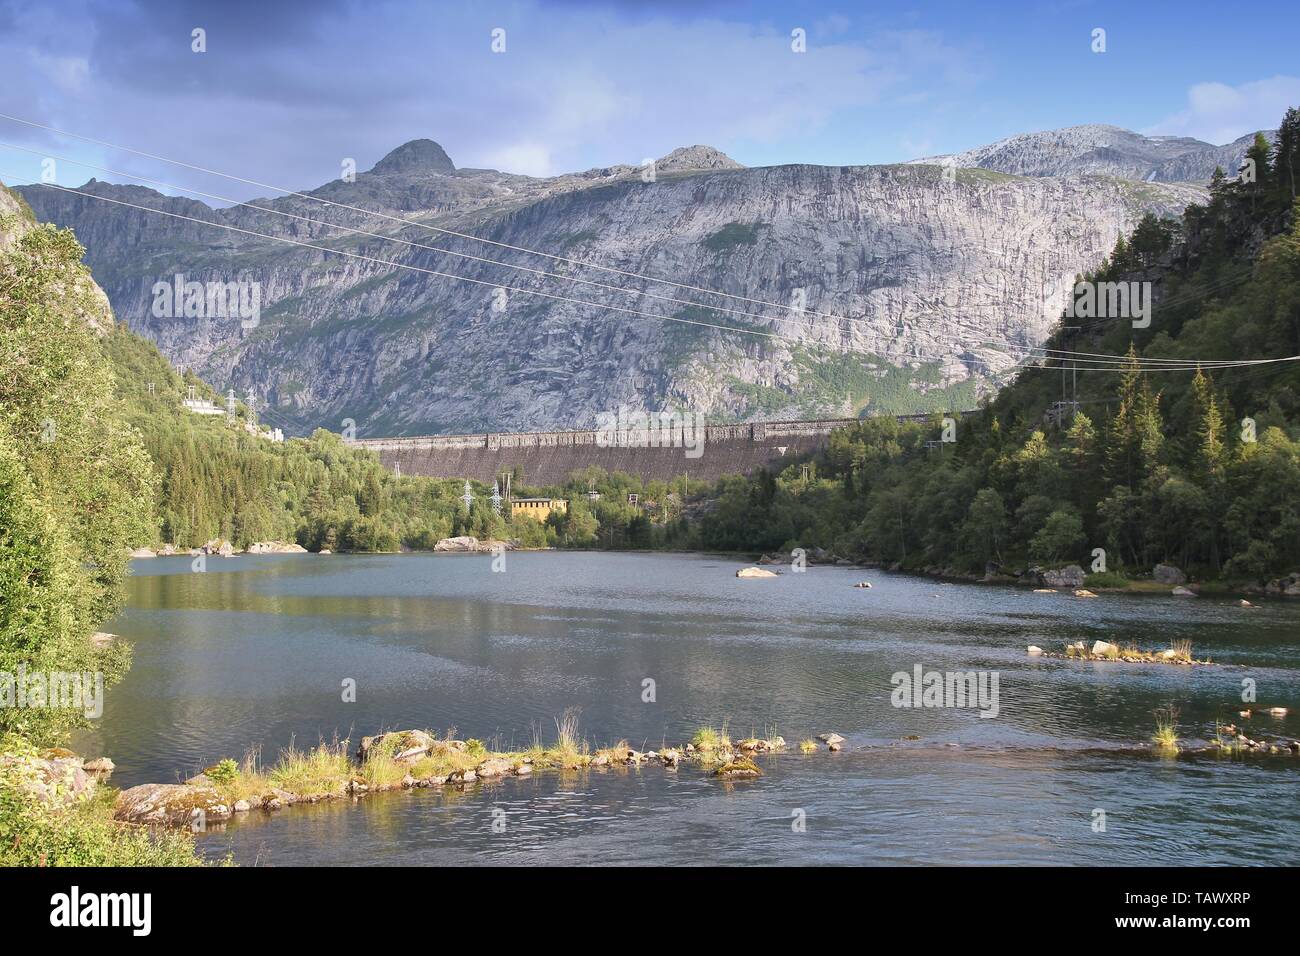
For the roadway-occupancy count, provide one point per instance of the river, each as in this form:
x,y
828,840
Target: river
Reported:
x,y
255,651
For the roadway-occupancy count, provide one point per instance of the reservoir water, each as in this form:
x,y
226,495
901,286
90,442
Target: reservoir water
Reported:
x,y
255,651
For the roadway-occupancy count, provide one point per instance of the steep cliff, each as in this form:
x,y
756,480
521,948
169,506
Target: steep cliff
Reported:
x,y
930,281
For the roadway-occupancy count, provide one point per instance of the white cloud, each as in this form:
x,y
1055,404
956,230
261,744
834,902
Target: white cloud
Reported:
x,y
525,159
1219,113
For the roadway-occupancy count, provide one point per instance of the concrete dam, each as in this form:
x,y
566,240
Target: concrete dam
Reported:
x,y
548,458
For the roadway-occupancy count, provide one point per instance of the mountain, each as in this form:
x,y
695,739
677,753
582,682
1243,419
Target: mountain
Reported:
x,y
1174,445
928,283
1098,150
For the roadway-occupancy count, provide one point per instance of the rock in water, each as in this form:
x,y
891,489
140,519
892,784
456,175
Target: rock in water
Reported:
x,y
755,573
1070,576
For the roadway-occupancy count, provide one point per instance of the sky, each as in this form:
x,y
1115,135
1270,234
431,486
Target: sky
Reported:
x,y
285,91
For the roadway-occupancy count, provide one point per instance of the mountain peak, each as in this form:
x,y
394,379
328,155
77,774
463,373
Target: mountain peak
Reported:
x,y
417,156
697,157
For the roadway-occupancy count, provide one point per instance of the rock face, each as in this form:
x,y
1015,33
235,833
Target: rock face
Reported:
x,y
931,286
459,543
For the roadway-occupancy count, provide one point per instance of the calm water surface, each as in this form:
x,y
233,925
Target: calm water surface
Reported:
x,y
253,653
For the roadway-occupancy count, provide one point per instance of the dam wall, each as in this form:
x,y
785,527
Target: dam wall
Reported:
x,y
548,458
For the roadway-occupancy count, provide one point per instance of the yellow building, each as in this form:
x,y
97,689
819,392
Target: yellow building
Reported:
x,y
538,508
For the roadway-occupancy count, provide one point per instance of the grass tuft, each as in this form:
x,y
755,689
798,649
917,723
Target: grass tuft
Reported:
x,y
1166,735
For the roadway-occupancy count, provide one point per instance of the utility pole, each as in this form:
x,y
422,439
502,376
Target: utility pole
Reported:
x,y
230,406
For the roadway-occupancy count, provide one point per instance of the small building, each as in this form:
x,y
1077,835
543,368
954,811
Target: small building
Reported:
x,y
201,406
538,508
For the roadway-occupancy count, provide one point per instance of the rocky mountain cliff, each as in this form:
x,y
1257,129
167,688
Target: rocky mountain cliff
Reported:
x,y
1098,150
931,283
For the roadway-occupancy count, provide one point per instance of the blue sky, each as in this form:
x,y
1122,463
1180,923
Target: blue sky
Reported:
x,y
286,90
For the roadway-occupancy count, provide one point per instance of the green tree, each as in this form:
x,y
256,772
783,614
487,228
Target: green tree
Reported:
x,y
78,487
1060,536
986,524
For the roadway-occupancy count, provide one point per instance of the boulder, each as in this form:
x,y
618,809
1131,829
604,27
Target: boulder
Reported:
x,y
1070,576
863,584
463,542
1167,574
407,746
143,553
1035,650
1084,593
1244,603
755,573
743,767
523,769
1182,592
174,804
830,738
324,551
54,777
275,547
493,767
1103,649
99,765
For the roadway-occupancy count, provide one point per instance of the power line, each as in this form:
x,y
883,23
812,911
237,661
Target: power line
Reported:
x,y
408,223
407,242
402,265
421,225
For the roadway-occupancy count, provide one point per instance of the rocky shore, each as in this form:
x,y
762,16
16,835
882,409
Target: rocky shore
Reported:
x,y
1179,653
221,548
411,759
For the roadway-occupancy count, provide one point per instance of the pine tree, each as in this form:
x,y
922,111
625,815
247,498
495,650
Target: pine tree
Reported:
x,y
1209,458
1286,155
